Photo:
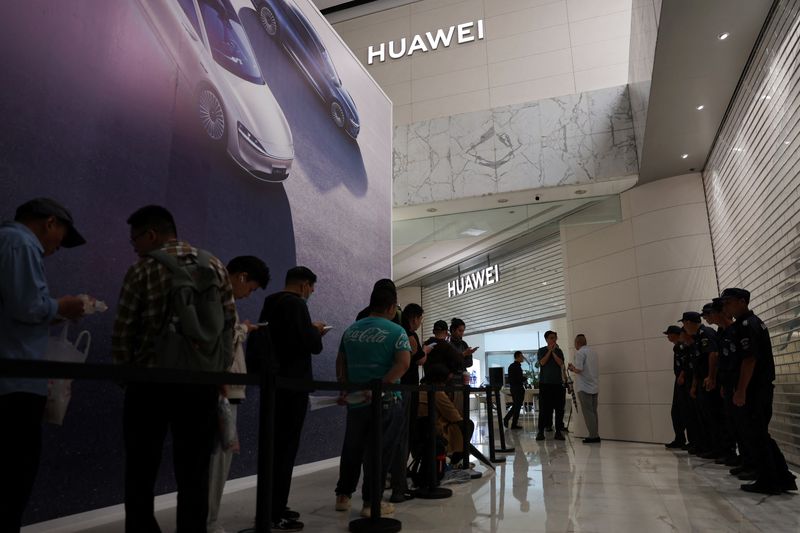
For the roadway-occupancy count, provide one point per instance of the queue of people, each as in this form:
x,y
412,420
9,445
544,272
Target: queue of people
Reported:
x,y
723,392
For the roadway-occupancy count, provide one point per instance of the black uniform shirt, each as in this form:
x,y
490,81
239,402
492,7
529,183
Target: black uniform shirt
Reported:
x,y
729,362
705,341
678,359
752,340
515,377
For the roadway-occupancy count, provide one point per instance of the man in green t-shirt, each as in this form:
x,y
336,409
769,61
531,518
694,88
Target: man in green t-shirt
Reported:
x,y
371,348
552,394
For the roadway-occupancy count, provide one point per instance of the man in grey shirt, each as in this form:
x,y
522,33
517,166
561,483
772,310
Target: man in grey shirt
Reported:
x,y
587,378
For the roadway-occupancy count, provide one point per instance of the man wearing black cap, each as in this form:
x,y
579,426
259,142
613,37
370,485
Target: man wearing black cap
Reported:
x,y
709,403
40,228
753,394
679,393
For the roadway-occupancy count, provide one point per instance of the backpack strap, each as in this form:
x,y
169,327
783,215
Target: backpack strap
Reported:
x,y
203,258
168,260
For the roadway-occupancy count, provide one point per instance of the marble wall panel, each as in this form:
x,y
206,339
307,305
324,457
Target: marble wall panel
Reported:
x,y
580,138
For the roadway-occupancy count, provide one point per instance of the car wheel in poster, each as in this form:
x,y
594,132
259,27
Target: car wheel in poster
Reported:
x,y
211,113
337,114
268,20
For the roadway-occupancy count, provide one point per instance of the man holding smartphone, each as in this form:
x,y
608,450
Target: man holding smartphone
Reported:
x,y
294,339
552,393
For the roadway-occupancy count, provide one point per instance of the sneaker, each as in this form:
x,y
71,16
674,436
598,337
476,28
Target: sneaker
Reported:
x,y
386,509
540,436
342,502
400,497
289,514
287,525
559,436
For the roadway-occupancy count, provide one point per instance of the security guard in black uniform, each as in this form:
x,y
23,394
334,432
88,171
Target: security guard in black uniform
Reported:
x,y
726,376
700,442
753,394
680,393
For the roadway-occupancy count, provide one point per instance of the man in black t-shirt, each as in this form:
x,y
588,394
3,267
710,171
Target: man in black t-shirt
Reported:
x,y
516,383
754,392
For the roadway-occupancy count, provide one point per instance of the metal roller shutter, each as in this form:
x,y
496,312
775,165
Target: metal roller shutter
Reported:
x,y
753,189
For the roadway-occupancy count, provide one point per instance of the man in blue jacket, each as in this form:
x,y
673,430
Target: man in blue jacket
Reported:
x,y
40,228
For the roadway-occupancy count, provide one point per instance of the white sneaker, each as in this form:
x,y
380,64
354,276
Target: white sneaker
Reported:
x,y
386,509
342,502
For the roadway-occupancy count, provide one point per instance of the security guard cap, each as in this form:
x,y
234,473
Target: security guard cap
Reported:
x,y
690,316
734,292
673,330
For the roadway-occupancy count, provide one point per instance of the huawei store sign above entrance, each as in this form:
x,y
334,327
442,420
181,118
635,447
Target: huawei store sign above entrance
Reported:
x,y
476,280
463,33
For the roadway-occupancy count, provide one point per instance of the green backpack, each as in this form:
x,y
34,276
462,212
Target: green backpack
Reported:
x,y
195,335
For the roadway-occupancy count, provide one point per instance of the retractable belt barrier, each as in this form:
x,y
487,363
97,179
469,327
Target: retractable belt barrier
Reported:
x,y
269,382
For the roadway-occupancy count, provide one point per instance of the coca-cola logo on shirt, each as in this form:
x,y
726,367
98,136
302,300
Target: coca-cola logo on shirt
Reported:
x,y
369,335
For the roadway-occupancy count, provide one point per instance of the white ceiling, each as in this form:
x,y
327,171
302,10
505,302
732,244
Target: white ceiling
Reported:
x,y
693,67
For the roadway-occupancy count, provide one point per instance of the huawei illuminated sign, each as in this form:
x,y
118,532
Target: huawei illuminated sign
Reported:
x,y
463,33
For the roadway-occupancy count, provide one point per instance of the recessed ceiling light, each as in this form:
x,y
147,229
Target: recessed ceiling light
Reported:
x,y
502,201
700,107
738,149
473,232
766,97
724,35
786,142
431,210
684,156
544,283
581,191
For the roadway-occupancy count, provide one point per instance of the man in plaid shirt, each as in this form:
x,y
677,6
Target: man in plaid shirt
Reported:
x,y
188,411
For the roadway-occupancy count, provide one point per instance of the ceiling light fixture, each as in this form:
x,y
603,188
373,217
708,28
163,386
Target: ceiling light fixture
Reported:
x,y
700,107
724,35
738,149
684,156
766,97
502,201
473,232
581,191
786,142
431,210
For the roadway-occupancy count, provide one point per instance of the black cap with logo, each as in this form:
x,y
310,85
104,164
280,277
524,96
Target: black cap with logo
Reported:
x,y
47,207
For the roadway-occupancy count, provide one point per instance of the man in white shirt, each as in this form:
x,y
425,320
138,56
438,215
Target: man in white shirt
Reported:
x,y
587,378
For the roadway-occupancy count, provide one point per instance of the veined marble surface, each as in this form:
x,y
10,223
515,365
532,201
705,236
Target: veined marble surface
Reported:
x,y
574,139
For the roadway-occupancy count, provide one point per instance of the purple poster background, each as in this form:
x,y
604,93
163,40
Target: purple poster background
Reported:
x,y
96,115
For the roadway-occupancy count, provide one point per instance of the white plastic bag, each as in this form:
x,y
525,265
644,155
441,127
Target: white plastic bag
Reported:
x,y
59,391
229,439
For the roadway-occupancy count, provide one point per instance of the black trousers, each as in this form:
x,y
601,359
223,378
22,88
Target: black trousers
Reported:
x,y
517,396
20,449
756,415
712,420
290,414
552,397
678,412
734,424
189,412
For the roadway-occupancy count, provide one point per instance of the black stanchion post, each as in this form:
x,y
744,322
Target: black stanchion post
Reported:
x,y
266,449
464,427
376,523
490,426
502,448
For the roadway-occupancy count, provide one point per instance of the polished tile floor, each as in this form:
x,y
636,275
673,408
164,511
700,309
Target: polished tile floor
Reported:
x,y
556,486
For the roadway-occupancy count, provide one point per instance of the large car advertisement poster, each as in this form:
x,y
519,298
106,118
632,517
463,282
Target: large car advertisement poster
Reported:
x,y
250,120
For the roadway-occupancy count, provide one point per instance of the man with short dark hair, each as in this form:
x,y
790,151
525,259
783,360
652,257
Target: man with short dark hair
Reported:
x,y
516,382
40,228
188,411
552,394
371,348
587,378
294,339
384,283
754,394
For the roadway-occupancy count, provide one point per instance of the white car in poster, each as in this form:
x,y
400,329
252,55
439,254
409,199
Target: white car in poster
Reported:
x,y
234,105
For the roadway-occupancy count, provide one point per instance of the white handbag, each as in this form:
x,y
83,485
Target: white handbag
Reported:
x,y
59,391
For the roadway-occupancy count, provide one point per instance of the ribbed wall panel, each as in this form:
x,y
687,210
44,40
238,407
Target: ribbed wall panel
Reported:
x,y
531,288
752,182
